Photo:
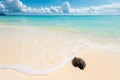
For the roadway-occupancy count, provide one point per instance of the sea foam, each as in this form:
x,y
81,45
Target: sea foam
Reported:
x,y
28,70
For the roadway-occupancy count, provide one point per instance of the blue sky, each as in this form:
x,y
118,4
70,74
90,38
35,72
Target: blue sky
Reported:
x,y
79,7
74,3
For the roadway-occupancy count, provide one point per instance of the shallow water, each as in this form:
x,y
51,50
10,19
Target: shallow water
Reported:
x,y
42,44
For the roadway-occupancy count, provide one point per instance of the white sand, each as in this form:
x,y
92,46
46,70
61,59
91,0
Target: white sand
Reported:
x,y
101,65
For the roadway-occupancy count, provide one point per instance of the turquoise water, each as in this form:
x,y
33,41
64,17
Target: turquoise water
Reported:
x,y
94,25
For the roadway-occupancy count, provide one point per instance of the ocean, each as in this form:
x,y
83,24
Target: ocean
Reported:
x,y
42,44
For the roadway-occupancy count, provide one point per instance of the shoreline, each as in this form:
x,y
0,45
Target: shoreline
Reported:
x,y
69,33
102,63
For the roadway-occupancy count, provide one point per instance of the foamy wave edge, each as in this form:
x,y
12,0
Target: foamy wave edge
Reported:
x,y
33,72
27,70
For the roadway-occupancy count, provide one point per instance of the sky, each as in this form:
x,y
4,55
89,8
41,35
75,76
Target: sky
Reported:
x,y
74,3
75,7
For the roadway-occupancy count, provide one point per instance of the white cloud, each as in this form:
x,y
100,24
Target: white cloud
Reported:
x,y
66,7
2,7
103,9
16,6
109,8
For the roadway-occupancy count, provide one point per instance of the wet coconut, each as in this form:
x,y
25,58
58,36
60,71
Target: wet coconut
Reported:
x,y
78,62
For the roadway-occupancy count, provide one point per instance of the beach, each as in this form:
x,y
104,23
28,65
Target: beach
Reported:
x,y
44,49
100,66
